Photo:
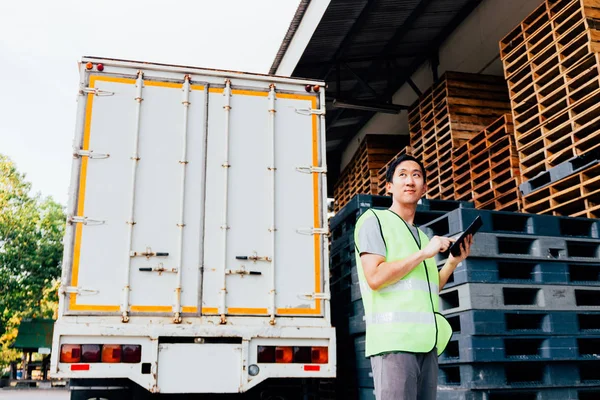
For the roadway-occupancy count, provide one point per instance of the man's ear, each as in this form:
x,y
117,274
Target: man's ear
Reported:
x,y
388,186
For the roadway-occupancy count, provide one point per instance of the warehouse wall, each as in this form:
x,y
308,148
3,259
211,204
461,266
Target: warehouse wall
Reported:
x,y
472,47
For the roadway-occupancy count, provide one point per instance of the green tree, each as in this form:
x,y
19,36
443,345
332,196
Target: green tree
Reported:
x,y
31,231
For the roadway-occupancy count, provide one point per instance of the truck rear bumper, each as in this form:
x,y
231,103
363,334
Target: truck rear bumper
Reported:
x,y
193,358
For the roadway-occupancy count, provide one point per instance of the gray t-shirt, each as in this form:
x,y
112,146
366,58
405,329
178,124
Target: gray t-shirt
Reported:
x,y
370,238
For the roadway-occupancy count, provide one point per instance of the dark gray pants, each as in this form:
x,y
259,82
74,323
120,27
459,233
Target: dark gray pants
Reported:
x,y
405,376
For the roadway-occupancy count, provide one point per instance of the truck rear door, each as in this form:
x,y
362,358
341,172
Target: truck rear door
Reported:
x,y
263,204
194,198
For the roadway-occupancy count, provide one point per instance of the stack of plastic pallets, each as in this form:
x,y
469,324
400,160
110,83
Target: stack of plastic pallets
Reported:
x,y
552,66
360,175
486,168
347,312
447,115
524,307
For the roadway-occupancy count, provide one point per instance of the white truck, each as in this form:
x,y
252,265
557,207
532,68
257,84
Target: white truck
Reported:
x,y
196,255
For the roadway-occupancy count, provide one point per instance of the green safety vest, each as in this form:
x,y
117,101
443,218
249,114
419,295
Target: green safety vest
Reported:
x,y
402,316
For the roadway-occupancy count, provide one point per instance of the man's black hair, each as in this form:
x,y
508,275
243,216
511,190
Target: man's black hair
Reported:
x,y
389,175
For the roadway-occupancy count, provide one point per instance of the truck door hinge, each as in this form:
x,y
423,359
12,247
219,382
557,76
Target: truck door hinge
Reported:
x,y
95,92
76,219
315,296
313,231
90,154
312,169
77,290
310,111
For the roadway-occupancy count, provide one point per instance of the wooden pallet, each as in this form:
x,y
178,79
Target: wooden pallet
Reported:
x,y
577,195
569,134
552,66
447,115
530,38
486,168
360,176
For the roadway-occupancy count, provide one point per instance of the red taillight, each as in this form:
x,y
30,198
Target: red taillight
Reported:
x,y
302,355
100,67
111,353
266,354
284,354
93,353
70,353
90,353
297,355
131,353
320,355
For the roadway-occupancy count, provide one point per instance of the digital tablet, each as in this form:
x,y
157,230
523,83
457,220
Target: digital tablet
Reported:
x,y
471,230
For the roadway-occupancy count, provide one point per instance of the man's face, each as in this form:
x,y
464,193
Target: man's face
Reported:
x,y
408,185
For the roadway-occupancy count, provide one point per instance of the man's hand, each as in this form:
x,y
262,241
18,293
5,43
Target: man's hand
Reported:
x,y
437,244
465,250
452,262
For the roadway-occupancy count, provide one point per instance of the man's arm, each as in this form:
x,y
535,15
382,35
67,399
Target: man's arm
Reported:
x,y
380,273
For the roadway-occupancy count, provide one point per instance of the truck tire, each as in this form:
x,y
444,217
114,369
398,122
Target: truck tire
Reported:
x,y
295,389
100,394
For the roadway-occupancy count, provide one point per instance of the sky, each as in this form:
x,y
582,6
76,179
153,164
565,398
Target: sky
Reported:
x,y
41,42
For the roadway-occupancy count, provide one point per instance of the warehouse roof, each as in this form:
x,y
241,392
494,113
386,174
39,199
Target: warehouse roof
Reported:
x,y
366,50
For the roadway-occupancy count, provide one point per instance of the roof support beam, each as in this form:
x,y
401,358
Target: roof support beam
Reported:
x,y
375,69
356,27
414,86
437,42
435,62
403,77
406,26
350,60
361,81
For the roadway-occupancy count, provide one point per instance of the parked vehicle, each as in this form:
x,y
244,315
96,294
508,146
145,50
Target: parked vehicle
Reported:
x,y
196,256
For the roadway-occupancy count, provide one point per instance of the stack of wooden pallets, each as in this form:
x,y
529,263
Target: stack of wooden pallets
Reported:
x,y
486,168
446,116
552,67
361,175
381,175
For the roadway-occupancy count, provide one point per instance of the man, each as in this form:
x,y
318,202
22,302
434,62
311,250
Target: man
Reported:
x,y
399,283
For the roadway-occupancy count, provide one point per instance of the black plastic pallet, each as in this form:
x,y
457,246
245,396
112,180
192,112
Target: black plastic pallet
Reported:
x,y
513,322
561,171
520,394
482,296
458,220
534,248
481,270
344,221
509,322
470,349
526,374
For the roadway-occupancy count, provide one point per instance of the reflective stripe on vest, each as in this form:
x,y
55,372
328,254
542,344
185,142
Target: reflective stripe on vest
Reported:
x,y
412,284
400,316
